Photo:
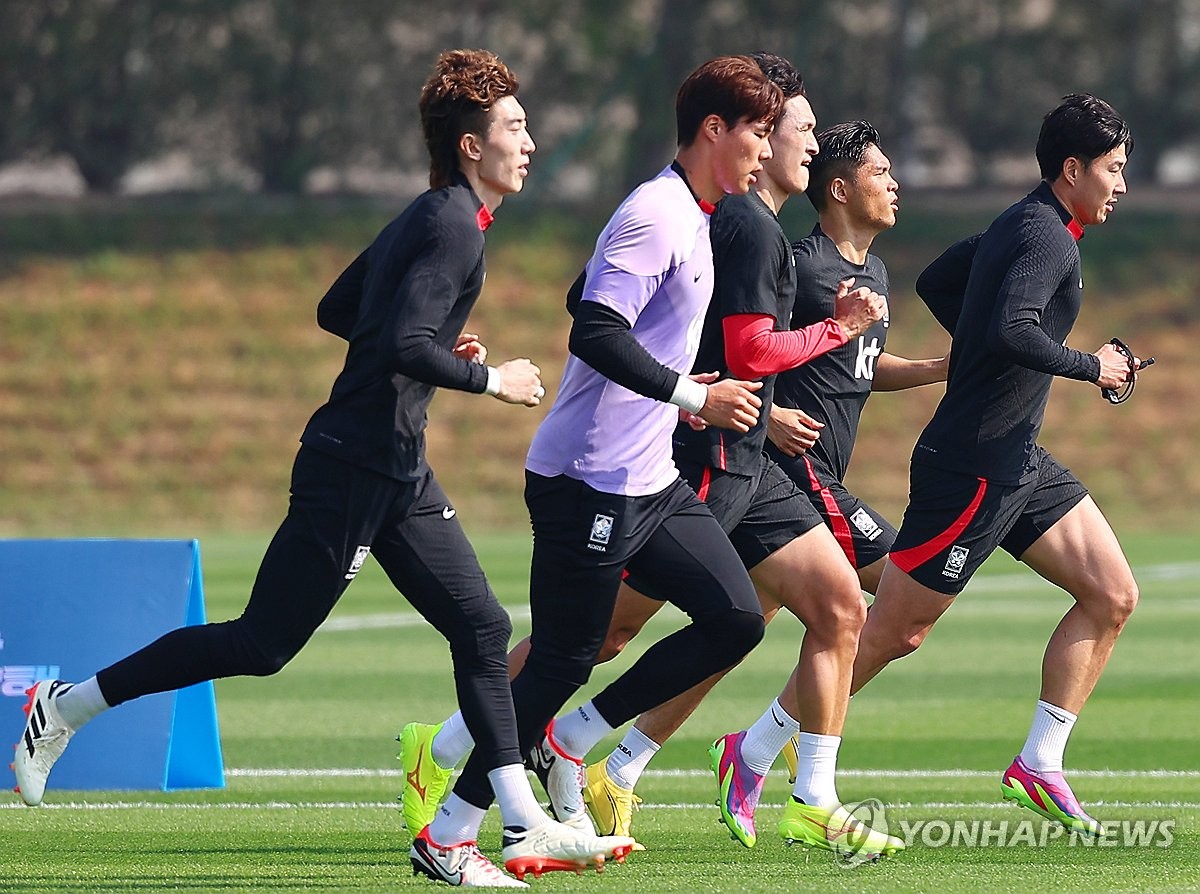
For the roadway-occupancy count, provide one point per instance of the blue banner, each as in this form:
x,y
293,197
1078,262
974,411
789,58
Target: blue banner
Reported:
x,y
71,607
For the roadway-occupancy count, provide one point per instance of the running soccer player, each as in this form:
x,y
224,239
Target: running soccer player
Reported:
x,y
602,490
978,478
852,188
361,484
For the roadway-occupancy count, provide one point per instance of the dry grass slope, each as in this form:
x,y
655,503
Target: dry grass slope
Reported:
x,y
160,389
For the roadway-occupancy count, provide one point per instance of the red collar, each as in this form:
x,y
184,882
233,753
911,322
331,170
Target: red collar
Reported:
x,y
1075,229
483,218
706,207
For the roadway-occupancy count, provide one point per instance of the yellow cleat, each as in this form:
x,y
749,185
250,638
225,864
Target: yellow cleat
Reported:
x,y
791,757
610,805
425,782
835,829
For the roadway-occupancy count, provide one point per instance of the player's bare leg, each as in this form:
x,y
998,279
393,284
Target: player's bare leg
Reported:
x,y
1079,553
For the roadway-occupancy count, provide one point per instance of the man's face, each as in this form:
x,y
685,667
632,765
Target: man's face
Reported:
x,y
1099,186
739,153
505,148
872,191
793,145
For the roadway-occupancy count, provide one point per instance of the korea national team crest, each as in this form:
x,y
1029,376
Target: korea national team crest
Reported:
x,y
602,526
955,562
356,564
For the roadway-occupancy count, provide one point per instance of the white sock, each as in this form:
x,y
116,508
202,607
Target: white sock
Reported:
x,y
816,770
456,821
578,731
629,759
518,806
766,737
81,703
452,743
1043,751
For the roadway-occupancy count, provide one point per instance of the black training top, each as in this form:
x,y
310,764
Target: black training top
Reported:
x,y
834,387
754,274
1021,298
402,305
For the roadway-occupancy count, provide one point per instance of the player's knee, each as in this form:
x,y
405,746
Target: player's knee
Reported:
x,y
488,633
839,619
1122,601
738,631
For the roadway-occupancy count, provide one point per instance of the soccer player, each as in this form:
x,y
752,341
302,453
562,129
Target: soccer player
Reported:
x,y
602,490
855,195
361,484
978,478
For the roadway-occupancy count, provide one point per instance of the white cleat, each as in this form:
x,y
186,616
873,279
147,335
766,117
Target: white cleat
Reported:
x,y
557,847
460,865
562,776
43,742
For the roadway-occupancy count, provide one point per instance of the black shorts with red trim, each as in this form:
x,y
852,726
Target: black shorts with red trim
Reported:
x,y
862,532
954,522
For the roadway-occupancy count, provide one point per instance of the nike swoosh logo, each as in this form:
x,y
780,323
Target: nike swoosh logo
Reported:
x,y
778,722
1055,716
696,278
448,513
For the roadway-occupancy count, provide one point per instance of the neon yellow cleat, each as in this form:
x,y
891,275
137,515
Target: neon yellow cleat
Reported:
x,y
835,829
424,781
610,805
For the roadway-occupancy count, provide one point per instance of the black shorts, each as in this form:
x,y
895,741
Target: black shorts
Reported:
x,y
586,540
760,514
953,521
861,531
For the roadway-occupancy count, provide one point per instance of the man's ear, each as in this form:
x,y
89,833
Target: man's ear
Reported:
x,y
837,190
471,146
1071,169
712,127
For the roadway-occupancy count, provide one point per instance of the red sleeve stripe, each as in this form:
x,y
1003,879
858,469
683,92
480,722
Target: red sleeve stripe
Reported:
x,y
837,521
908,559
754,349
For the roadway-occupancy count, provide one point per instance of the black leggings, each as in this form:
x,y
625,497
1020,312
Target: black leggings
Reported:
x,y
583,541
336,511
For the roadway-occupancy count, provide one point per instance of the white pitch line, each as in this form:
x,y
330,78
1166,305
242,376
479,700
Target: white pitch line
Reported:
x,y
1173,571
392,805
696,773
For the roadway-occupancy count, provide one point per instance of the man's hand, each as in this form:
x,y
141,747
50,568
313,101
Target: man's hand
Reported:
x,y
469,347
1115,369
731,403
857,311
520,382
792,431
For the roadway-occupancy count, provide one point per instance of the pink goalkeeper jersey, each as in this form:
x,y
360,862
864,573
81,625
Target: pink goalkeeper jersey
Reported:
x,y
653,265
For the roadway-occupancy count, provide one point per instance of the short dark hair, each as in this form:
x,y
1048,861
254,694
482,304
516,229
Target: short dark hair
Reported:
x,y
1084,127
455,100
842,150
784,75
733,87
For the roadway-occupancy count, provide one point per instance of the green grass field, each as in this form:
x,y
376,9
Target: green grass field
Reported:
x,y
928,738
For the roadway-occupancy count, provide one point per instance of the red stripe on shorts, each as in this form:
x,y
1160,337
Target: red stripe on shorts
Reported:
x,y
705,481
908,559
837,521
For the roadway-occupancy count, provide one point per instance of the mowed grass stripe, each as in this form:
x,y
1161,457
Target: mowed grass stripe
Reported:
x,y
685,773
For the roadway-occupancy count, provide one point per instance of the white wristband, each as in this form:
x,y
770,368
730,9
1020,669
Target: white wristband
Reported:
x,y
689,394
493,382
